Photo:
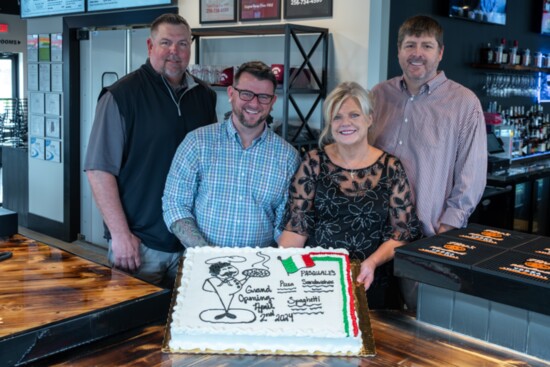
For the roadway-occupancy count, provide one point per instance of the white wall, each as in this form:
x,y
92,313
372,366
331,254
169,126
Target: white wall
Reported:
x,y
358,47
46,178
17,30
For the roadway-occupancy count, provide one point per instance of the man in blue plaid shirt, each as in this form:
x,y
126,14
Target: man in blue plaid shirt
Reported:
x,y
228,183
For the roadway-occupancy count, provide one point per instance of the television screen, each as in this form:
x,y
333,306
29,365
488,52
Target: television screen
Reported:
x,y
484,11
545,26
97,5
43,8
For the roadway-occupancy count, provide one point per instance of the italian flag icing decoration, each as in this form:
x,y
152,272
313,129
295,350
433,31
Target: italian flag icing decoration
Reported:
x,y
294,263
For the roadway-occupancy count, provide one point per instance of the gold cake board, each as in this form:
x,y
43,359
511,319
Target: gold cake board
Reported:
x,y
368,349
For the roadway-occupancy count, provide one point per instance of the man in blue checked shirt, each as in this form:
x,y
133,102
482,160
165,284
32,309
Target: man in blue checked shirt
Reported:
x,y
228,183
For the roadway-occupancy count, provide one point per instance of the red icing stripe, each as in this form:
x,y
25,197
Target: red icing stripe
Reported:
x,y
308,262
351,298
349,290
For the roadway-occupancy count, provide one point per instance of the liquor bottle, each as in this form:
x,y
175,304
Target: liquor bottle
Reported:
x,y
487,54
514,56
526,57
502,53
499,53
538,59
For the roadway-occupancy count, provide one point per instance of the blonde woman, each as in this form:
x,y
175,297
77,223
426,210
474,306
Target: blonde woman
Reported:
x,y
349,194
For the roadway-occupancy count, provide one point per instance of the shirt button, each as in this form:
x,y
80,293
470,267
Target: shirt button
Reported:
x,y
412,98
406,120
400,142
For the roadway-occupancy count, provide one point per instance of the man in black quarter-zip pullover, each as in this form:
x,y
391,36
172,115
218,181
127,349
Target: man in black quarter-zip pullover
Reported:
x,y
140,121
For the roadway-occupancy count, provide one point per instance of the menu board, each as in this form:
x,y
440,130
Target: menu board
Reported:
x,y
44,51
42,8
56,45
96,5
32,47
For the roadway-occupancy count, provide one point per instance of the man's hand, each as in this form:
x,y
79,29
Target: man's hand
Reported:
x,y
444,228
125,250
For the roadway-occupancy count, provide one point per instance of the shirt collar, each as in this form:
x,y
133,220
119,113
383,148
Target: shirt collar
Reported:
x,y
186,82
232,131
430,86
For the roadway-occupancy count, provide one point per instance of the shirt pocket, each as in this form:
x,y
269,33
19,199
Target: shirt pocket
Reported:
x,y
270,187
429,132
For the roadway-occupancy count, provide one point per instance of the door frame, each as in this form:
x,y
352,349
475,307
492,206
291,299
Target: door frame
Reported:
x,y
14,57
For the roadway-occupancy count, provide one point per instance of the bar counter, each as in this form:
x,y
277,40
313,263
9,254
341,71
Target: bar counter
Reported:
x,y
400,341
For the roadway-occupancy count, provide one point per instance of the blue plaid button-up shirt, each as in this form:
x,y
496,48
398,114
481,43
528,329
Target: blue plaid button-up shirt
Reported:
x,y
237,196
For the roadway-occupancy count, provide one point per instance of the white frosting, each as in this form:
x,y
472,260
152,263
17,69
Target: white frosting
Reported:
x,y
258,304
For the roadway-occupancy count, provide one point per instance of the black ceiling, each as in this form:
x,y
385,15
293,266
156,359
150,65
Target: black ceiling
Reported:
x,y
9,7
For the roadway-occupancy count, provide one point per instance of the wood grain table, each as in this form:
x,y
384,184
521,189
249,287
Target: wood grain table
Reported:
x,y
53,295
52,300
400,341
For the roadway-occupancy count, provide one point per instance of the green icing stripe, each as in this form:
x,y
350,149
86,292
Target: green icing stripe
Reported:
x,y
345,311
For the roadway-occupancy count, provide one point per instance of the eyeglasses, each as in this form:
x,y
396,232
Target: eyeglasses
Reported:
x,y
247,96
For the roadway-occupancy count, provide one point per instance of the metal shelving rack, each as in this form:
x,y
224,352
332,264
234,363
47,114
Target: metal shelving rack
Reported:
x,y
291,33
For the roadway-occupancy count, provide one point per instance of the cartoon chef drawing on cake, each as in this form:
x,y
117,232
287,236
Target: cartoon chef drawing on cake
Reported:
x,y
226,285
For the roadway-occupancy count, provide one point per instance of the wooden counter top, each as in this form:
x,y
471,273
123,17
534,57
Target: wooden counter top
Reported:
x,y
400,341
120,339
52,300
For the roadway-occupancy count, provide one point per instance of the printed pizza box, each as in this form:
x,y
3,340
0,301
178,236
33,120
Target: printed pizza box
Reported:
x,y
519,266
456,251
538,246
441,261
491,236
514,278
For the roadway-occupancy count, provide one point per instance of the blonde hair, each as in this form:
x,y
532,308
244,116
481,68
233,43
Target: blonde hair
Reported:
x,y
334,101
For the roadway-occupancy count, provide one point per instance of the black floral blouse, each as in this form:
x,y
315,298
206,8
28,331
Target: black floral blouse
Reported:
x,y
353,209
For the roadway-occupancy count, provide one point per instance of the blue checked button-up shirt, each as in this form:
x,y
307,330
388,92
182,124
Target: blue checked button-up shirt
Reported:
x,y
237,196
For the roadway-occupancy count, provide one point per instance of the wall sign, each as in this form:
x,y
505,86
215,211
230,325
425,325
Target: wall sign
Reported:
x,y
251,10
307,8
96,5
41,8
216,11
9,42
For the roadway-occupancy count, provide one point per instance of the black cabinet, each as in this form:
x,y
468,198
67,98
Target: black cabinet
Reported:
x,y
529,210
15,182
493,206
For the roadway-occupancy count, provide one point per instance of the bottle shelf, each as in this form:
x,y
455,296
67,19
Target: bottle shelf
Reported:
x,y
508,67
